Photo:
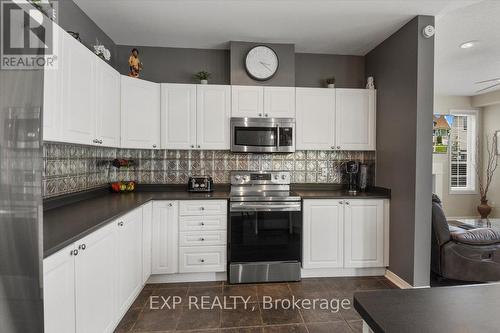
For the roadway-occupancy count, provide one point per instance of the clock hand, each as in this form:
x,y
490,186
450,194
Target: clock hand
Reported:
x,y
265,65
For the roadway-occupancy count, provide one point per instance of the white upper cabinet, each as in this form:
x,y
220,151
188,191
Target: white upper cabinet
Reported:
x,y
107,105
195,116
213,114
355,118
323,240
364,233
247,101
257,101
78,92
140,113
315,124
279,102
165,231
178,116
52,96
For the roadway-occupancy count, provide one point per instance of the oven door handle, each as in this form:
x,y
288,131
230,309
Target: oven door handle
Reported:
x,y
246,207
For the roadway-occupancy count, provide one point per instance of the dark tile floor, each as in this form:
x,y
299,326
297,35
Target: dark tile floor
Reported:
x,y
153,310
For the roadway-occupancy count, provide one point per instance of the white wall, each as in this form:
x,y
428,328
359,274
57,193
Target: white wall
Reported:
x,y
491,123
455,205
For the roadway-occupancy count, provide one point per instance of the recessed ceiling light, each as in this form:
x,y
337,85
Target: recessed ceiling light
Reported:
x,y
469,44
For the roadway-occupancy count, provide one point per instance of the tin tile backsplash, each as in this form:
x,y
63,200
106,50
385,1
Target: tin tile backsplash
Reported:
x,y
71,168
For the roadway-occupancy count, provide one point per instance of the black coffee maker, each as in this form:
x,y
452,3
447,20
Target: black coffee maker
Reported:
x,y
352,169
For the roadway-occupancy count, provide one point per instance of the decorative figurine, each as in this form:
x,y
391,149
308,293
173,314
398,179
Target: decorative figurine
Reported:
x,y
134,63
370,83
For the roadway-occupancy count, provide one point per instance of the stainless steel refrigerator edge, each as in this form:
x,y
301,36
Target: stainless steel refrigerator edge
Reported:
x,y
21,247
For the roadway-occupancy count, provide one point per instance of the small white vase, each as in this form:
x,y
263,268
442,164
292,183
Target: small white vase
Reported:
x,y
203,81
331,85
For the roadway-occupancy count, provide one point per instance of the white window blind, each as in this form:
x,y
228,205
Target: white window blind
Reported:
x,y
463,152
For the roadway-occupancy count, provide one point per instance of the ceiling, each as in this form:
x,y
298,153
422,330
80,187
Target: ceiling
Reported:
x,y
315,26
456,69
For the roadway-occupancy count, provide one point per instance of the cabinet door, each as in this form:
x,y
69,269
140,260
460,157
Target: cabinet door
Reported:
x,y
323,234
147,219
178,116
247,101
355,129
165,237
59,291
315,122
212,116
129,231
279,102
52,95
108,104
364,233
78,91
96,274
140,113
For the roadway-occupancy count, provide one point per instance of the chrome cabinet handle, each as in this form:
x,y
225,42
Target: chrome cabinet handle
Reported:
x,y
266,115
154,146
202,239
347,202
100,142
202,260
202,224
192,146
120,224
341,202
199,146
74,253
170,205
260,114
338,147
202,208
333,147
95,141
82,247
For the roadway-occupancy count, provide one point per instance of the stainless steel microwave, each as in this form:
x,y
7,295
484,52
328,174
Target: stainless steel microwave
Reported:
x,y
263,135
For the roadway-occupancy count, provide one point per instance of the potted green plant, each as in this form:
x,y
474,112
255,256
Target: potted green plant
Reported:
x,y
202,76
330,83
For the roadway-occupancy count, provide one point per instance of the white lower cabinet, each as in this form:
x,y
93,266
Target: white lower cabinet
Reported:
x,y
59,292
89,285
130,278
147,224
197,259
345,233
165,237
95,281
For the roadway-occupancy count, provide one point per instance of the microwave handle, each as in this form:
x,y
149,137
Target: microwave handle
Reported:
x,y
278,136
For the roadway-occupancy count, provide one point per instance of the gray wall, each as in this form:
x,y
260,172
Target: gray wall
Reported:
x,y
177,65
403,69
72,18
285,76
311,70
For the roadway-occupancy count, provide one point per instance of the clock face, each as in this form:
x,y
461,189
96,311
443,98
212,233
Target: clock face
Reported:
x,y
261,63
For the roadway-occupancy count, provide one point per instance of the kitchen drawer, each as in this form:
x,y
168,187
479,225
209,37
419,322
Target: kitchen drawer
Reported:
x,y
202,238
200,223
202,207
202,259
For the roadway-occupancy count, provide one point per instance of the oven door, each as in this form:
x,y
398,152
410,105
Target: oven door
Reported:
x,y
265,232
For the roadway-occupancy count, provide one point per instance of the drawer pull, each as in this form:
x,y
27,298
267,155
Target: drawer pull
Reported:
x,y
82,247
202,260
120,224
202,208
74,253
202,239
202,224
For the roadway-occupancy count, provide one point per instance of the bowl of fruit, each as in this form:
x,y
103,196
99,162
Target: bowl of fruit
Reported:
x,y
125,186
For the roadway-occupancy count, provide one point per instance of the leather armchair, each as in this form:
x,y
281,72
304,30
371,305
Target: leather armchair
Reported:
x,y
467,255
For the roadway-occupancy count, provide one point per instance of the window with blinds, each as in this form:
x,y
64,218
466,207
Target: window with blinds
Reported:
x,y
463,152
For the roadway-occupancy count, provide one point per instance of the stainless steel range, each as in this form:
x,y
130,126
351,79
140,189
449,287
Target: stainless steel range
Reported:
x,y
265,229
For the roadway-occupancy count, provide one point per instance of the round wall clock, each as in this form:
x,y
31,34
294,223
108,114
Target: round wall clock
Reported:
x,y
261,63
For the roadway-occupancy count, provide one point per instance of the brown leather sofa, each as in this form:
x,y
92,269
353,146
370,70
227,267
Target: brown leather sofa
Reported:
x,y
459,254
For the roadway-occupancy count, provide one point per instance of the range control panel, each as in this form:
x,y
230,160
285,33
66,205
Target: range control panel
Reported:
x,y
260,177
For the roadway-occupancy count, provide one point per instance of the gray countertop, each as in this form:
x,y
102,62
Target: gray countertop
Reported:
x,y
472,308
69,218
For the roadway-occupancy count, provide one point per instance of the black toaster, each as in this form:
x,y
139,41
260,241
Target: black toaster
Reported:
x,y
200,184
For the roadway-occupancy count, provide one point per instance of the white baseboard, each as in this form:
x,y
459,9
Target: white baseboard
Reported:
x,y
187,277
340,272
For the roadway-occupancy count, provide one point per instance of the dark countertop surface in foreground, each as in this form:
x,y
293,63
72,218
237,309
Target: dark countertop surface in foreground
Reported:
x,y
67,219
472,308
